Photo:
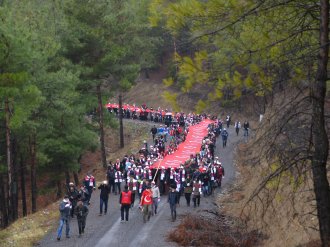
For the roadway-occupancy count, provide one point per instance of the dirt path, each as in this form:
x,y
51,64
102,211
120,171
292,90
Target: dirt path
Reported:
x,y
107,230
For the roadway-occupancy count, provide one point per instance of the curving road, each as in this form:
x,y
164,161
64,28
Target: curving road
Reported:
x,y
107,230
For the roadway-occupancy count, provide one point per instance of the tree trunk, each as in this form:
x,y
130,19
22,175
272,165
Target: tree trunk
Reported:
x,y
67,179
9,164
22,172
101,121
319,135
59,189
3,202
14,188
33,154
121,127
76,178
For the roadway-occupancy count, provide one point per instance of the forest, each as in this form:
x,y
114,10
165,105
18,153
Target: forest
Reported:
x,y
61,60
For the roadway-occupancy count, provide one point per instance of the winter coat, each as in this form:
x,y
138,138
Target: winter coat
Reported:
x,y
187,186
65,208
172,197
105,190
81,211
224,135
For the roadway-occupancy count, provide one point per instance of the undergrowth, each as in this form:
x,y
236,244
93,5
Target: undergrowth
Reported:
x,y
217,230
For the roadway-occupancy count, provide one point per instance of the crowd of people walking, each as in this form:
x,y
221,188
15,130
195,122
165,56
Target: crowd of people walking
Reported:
x,y
198,177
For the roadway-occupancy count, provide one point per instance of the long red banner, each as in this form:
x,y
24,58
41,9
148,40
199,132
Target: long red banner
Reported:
x,y
192,145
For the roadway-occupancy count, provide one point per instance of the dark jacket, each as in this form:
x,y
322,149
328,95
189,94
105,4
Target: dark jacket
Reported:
x,y
81,211
224,135
172,197
111,175
73,195
154,130
83,195
65,208
105,190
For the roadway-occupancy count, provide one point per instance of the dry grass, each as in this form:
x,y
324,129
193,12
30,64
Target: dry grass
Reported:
x,y
288,220
217,230
28,230
134,135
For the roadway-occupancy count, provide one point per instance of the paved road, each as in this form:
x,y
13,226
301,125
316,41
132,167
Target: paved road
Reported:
x,y
107,230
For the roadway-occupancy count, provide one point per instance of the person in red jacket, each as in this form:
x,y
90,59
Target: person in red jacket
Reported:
x,y
125,200
146,203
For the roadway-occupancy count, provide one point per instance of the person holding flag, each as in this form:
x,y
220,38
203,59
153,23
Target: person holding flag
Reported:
x,y
146,203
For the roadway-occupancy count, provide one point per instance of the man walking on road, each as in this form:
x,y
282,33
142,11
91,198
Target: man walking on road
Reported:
x,y
153,132
89,183
104,197
81,211
224,135
65,208
237,127
125,200
246,127
155,197
146,203
173,200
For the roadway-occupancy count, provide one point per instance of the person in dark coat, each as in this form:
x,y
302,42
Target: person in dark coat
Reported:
x,y
83,195
104,197
81,211
187,185
224,135
65,208
153,132
111,175
173,200
73,197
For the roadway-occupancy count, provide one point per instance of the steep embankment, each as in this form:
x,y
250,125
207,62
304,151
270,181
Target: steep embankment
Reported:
x,y
284,208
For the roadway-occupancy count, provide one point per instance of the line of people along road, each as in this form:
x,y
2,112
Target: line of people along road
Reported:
x,y
199,176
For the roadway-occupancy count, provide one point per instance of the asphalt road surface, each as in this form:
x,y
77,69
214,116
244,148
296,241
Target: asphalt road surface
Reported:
x,y
107,230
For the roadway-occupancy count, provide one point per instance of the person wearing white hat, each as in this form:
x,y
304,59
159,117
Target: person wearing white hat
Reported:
x,y
65,208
